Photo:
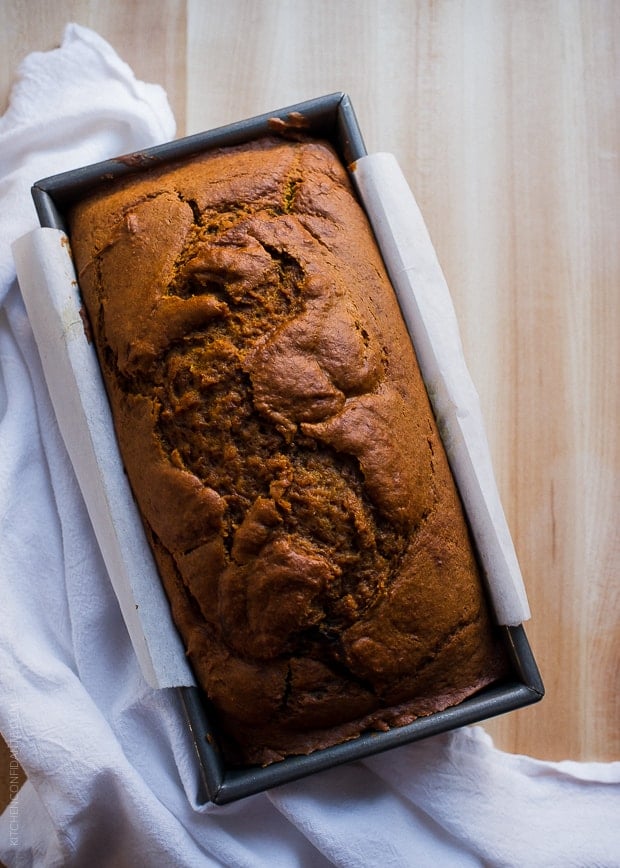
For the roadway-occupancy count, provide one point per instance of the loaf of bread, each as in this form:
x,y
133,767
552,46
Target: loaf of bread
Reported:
x,y
281,448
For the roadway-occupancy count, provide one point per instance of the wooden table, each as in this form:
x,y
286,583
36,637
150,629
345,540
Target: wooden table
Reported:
x,y
504,116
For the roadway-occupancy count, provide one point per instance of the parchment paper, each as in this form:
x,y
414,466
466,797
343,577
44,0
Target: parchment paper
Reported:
x,y
428,311
49,287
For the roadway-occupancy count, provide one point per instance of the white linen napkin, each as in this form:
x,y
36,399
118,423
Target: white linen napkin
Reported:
x,y
111,772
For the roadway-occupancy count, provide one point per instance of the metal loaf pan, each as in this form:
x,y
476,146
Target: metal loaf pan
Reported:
x,y
333,118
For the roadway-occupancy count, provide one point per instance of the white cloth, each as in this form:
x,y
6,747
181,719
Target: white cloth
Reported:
x,y
111,773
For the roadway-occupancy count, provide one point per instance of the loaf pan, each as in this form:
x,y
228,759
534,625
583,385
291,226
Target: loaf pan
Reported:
x,y
331,117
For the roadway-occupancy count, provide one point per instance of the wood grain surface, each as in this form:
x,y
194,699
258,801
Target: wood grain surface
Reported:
x,y
504,115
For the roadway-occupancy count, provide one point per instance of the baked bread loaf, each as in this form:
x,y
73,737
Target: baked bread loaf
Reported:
x,y
281,448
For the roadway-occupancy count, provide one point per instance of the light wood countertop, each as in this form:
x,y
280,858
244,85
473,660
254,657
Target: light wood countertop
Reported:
x,y
504,115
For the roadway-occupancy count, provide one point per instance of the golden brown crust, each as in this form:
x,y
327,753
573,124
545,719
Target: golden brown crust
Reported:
x,y
281,447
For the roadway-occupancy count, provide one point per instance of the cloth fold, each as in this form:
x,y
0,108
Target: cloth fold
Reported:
x,y
112,778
